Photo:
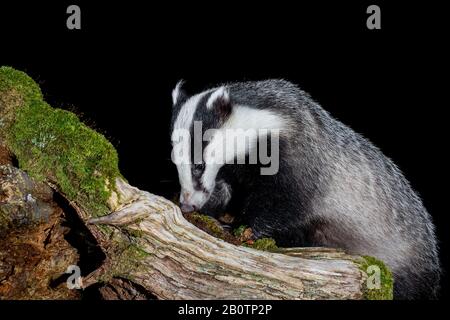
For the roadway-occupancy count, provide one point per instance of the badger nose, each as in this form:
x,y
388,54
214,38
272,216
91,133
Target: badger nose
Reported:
x,y
186,208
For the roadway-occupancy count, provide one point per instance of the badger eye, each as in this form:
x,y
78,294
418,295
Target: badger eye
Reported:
x,y
198,168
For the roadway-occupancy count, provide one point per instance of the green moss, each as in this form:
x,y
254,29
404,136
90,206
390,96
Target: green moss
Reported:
x,y
54,145
106,229
127,260
135,233
266,244
209,223
11,79
16,90
385,292
239,230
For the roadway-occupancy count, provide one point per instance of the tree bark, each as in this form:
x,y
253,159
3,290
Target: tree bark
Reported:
x,y
176,260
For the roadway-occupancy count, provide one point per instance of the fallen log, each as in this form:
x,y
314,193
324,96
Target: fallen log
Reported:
x,y
145,238
180,261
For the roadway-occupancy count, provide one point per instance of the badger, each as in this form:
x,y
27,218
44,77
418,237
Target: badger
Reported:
x,y
332,187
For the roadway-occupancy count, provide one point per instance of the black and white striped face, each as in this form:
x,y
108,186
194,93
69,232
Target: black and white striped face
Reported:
x,y
192,117
201,128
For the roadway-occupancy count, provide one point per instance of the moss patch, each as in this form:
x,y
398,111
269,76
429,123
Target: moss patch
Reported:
x,y
16,90
21,83
134,232
210,226
127,259
54,145
266,244
239,230
385,292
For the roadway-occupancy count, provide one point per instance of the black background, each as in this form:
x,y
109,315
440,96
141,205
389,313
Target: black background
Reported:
x,y
118,71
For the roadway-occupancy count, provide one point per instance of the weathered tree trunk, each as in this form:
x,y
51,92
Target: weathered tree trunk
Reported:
x,y
176,260
34,253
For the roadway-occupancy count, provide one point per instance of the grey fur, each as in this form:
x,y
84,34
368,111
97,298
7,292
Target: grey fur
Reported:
x,y
334,189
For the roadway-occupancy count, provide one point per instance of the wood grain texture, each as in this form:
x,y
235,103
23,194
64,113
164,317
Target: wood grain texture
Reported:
x,y
180,261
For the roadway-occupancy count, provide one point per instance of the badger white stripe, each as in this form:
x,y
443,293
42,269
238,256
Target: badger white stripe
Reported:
x,y
249,123
219,93
182,124
176,91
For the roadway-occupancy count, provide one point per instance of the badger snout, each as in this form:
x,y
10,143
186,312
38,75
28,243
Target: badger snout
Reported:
x,y
187,208
191,201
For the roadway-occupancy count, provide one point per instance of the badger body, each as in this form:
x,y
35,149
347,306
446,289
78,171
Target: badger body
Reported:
x,y
333,187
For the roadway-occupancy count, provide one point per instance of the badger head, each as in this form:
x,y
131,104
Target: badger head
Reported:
x,y
205,128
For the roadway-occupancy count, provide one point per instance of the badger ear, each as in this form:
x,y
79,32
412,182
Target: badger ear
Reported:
x,y
219,100
178,93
